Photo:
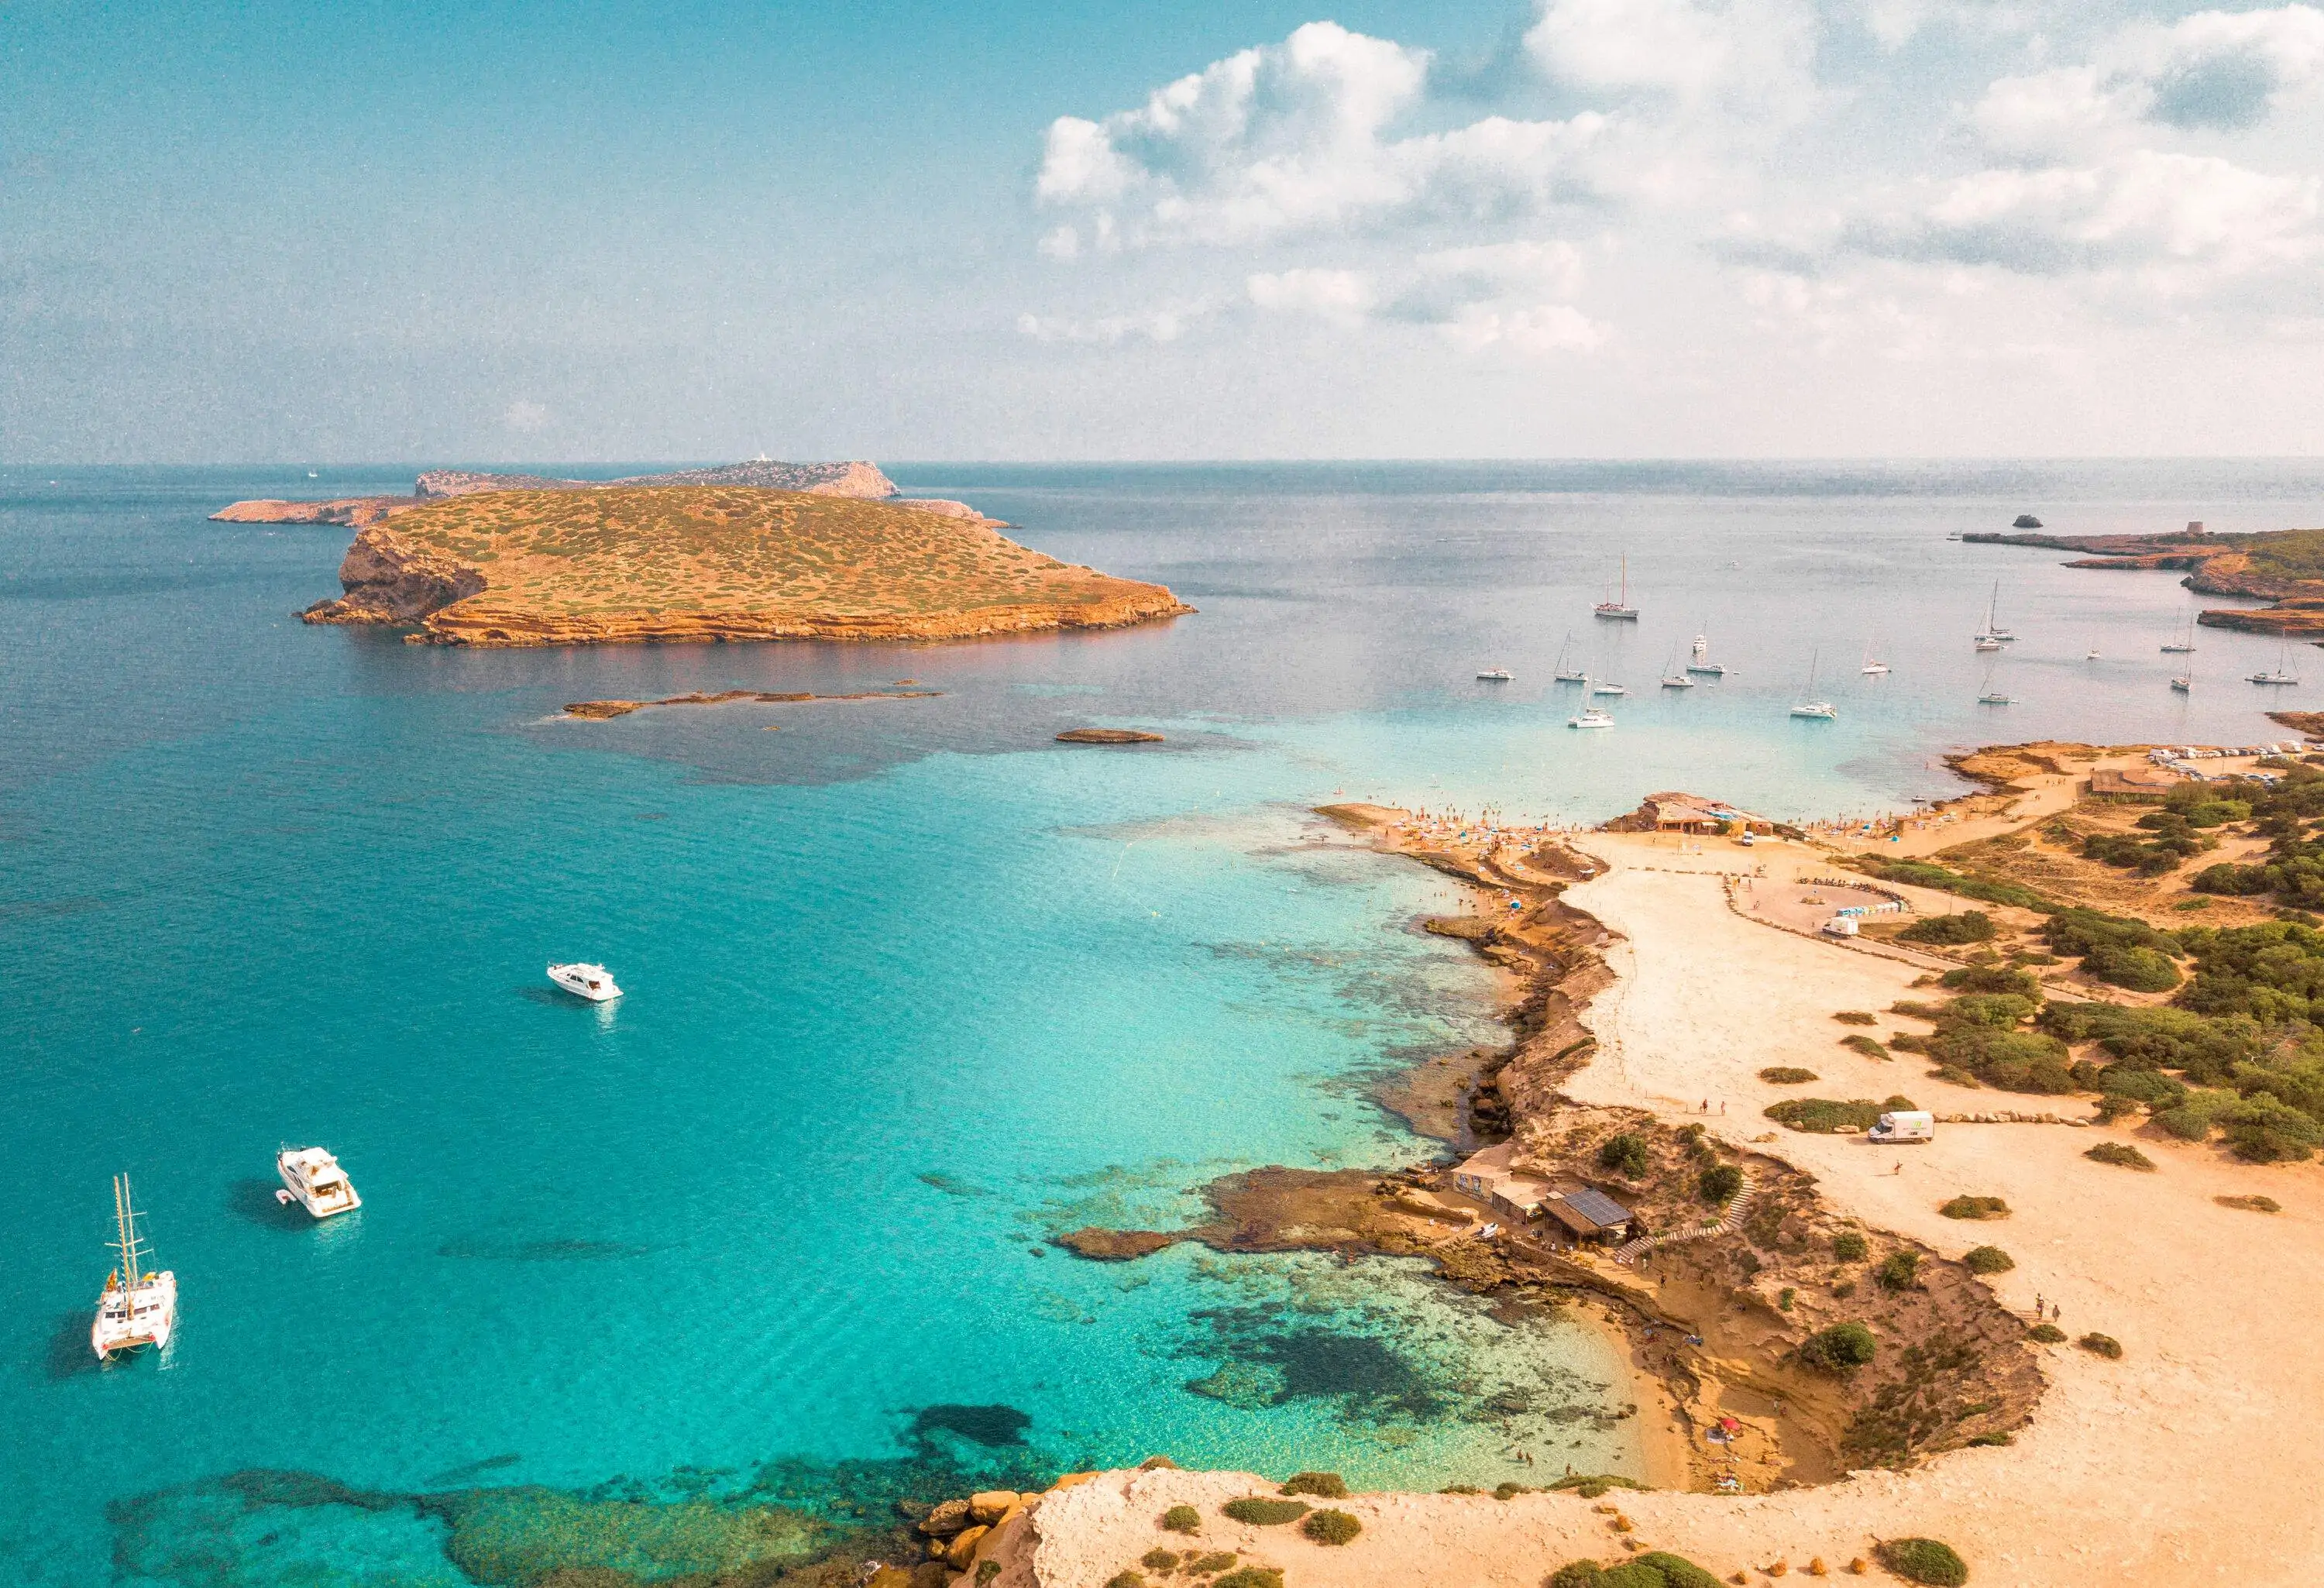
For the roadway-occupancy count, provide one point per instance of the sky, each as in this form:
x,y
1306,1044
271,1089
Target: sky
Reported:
x,y
374,232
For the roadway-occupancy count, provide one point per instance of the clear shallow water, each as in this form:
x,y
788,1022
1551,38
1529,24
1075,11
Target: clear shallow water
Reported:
x,y
911,986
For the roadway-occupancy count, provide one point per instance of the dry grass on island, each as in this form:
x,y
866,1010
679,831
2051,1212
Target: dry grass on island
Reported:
x,y
510,567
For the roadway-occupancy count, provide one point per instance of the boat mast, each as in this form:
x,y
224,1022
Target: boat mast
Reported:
x,y
124,1217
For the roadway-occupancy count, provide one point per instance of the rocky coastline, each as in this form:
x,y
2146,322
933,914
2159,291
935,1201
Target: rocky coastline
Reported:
x,y
2275,565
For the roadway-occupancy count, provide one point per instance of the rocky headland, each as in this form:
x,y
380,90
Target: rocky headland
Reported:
x,y
2285,567
674,563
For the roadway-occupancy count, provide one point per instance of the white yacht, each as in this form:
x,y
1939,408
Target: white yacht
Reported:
x,y
1495,675
1569,675
313,1178
1606,689
137,1308
1988,642
1820,710
1996,698
1672,677
1618,608
2182,647
1590,717
592,981
1990,638
2281,673
2184,684
1873,667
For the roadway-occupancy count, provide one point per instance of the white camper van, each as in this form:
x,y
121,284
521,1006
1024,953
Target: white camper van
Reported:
x,y
1915,1125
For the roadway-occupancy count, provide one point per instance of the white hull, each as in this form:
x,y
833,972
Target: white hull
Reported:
x,y
1573,677
146,1315
1590,719
592,981
1494,675
1820,711
313,1178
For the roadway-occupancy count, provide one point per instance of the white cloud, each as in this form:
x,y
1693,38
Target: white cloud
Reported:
x,y
1344,297
1546,328
1165,324
1295,137
1743,50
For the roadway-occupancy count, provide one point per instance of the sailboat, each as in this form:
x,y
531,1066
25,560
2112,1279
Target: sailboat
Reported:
x,y
2185,647
1613,608
1672,677
1569,675
1873,667
1495,675
1993,696
1603,687
1821,710
2282,674
1990,636
137,1308
2184,683
1590,717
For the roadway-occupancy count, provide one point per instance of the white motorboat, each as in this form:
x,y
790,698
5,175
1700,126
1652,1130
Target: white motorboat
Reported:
x,y
1618,607
1590,717
1994,697
137,1308
1495,675
1820,710
1608,689
313,1178
1873,667
592,981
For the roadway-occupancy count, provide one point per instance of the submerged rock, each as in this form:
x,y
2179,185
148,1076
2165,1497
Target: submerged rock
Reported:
x,y
1107,737
1115,1245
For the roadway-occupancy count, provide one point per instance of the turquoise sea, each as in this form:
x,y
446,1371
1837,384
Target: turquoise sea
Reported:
x,y
910,986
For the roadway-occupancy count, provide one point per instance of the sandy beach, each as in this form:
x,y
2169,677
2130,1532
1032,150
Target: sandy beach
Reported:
x,y
2185,1460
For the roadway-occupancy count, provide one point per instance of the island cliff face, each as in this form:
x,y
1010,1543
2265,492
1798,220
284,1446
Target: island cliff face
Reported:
x,y
674,564
2285,567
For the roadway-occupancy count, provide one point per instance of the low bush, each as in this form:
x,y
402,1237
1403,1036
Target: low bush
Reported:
x,y
2262,1129
1330,1527
1988,1260
1625,1154
2105,1345
1655,1569
1263,1512
1978,1439
1590,1485
1322,1485
1250,1577
2122,1155
1899,1271
2251,1204
1181,1519
1132,1578
1922,873
1719,1184
1975,1207
2046,1333
1844,1290
1784,1074
1217,1561
1786,1296
1823,1116
1863,1045
1677,1571
2194,1118
1857,1017
1848,1246
986,1570
2142,969
1839,1350
1922,1560
1158,1559
1971,926
1578,1574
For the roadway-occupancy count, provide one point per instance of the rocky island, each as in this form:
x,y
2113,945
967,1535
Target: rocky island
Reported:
x,y
2285,567
561,564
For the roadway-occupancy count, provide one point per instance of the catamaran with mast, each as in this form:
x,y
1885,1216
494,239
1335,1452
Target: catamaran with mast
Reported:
x,y
1620,608
1820,710
137,1308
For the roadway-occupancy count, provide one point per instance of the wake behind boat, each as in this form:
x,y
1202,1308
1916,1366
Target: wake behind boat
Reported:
x,y
137,1309
592,981
313,1178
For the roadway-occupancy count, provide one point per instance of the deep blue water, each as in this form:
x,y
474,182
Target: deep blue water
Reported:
x,y
911,987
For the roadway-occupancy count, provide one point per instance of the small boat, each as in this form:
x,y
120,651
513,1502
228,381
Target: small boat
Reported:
x,y
137,1308
2093,655
1618,608
1988,642
1608,689
1590,717
1873,667
1820,710
2281,673
1672,677
592,981
1700,664
1569,675
1991,636
1494,675
1994,697
313,1178
2183,684
2185,647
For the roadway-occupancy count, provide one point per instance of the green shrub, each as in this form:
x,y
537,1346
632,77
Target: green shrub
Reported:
x,y
986,1570
1510,1491
1590,1485
2047,1334
1899,1271
1839,1350
1263,1512
1322,1485
2122,1155
1971,926
1330,1527
1784,1074
1988,1260
2142,969
2105,1345
1677,1571
1625,1154
1719,1184
2194,1118
1848,1246
1786,1296
1181,1519
2251,1204
2261,1129
1217,1560
1250,1577
1460,1488
1132,1578
1975,1207
1922,1560
1158,1559
1923,873
1856,1017
1578,1574
1860,1043
1823,1116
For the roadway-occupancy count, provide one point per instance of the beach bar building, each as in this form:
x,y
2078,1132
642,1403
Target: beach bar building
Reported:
x,y
1672,812
1591,1215
1488,1176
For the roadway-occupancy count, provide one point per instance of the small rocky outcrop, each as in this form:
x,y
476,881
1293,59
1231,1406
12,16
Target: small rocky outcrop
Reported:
x,y
1107,737
355,511
1116,1245
389,580
2024,521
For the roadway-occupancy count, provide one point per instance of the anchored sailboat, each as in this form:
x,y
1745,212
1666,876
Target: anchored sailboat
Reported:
x,y
1873,667
1672,677
2185,647
1700,662
2282,673
1620,608
1821,710
1992,634
1569,675
137,1308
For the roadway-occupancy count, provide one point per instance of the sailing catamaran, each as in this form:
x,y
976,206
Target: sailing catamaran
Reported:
x,y
137,1308
1821,710
1620,608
